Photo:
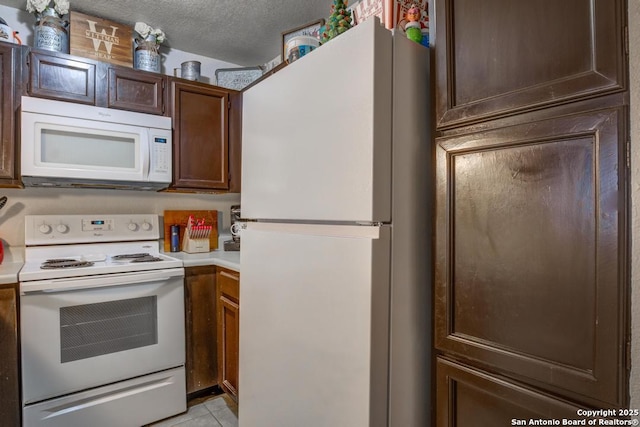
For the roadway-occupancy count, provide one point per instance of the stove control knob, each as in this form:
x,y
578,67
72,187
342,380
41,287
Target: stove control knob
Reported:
x,y
62,228
132,226
146,226
44,229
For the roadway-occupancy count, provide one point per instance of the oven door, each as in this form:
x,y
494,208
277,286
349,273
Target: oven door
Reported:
x,y
85,332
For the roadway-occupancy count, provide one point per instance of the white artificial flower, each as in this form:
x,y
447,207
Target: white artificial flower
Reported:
x,y
159,35
62,6
143,29
37,6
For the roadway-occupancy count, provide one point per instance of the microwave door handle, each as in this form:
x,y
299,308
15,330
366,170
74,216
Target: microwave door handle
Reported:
x,y
146,161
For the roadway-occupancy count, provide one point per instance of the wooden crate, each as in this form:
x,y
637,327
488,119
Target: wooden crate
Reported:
x,y
100,39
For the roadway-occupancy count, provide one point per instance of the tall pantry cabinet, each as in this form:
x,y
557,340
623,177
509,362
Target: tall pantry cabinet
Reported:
x,y
531,257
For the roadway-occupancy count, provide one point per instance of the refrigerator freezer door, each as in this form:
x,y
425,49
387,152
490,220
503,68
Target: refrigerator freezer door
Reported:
x,y
316,136
314,312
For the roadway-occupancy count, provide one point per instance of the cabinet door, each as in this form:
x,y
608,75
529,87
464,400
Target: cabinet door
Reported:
x,y
201,136
530,252
228,329
498,57
10,69
9,375
62,77
470,397
136,90
201,333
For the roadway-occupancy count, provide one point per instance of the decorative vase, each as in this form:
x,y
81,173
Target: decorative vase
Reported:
x,y
146,55
51,31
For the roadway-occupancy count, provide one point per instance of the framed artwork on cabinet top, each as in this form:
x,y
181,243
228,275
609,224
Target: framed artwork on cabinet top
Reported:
x,y
311,29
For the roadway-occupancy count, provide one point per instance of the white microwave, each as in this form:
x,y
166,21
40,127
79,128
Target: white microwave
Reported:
x,y
72,145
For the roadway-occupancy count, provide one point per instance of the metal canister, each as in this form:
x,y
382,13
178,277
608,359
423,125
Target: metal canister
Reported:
x,y
175,238
146,55
51,32
190,70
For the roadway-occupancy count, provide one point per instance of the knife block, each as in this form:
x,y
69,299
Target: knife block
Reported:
x,y
194,246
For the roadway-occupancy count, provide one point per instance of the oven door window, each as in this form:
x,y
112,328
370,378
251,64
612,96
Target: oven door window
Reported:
x,y
92,330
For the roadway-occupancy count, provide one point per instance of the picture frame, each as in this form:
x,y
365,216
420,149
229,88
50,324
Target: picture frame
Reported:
x,y
237,78
310,29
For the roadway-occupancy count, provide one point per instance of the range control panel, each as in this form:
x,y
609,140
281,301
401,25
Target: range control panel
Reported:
x,y
66,229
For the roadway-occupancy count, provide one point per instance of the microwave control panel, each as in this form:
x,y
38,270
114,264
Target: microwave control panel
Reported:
x,y
161,154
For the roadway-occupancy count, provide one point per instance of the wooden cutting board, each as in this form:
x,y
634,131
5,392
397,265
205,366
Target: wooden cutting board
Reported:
x,y
182,217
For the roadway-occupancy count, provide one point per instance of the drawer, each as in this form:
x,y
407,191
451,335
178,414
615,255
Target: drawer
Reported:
x,y
229,282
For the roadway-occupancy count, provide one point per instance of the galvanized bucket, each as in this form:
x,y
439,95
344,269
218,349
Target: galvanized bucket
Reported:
x,y
51,31
146,56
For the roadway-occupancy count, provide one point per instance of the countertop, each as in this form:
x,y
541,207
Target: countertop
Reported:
x,y
230,260
219,257
11,265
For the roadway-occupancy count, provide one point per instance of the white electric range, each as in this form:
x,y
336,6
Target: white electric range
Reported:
x,y
102,322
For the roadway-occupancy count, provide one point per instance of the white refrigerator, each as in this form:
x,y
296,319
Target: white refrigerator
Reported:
x,y
336,281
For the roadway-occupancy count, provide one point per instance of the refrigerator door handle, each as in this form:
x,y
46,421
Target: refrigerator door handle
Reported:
x,y
329,230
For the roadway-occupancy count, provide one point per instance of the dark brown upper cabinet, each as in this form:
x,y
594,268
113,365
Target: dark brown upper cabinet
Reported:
x,y
204,146
496,58
530,253
59,76
136,90
63,77
9,101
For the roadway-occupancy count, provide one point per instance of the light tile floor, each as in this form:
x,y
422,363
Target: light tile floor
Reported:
x,y
210,411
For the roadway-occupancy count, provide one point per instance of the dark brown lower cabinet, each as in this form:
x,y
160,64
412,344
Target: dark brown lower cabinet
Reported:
x,y
228,329
473,398
9,356
531,272
201,329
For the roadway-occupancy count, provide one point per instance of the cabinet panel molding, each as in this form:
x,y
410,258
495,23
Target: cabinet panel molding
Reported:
x,y
201,136
201,328
10,408
470,397
57,76
496,58
228,329
136,90
10,67
530,249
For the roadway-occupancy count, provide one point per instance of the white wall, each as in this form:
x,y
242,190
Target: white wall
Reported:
x,y
634,80
23,22
40,201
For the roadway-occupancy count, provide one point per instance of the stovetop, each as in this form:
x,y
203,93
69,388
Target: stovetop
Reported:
x,y
93,259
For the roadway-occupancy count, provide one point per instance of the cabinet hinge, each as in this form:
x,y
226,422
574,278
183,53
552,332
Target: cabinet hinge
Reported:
x,y
228,105
626,39
628,154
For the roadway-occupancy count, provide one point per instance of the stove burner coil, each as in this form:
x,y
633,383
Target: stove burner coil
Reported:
x,y
140,257
148,258
131,256
64,263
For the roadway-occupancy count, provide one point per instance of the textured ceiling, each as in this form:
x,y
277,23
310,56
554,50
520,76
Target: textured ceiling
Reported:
x,y
243,32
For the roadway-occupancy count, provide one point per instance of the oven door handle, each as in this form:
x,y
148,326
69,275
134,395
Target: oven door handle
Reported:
x,y
107,280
